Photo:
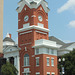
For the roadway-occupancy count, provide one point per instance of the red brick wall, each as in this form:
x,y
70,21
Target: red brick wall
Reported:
x,y
32,20
1,55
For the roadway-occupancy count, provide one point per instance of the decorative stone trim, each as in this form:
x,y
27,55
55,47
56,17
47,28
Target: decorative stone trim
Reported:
x,y
25,32
40,32
25,44
33,16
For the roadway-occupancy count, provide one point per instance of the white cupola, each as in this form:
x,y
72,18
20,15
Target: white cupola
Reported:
x,y
8,41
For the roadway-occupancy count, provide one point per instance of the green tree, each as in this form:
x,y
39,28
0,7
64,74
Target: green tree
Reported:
x,y
8,69
69,63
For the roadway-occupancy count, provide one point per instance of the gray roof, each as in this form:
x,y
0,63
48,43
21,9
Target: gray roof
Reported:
x,y
66,45
52,38
9,46
8,39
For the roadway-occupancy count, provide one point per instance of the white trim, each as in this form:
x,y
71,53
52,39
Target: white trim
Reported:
x,y
25,32
26,66
41,8
46,19
25,44
27,72
19,20
37,72
25,9
33,55
53,73
23,3
37,57
47,57
33,27
48,72
40,32
52,57
44,46
33,16
40,25
26,25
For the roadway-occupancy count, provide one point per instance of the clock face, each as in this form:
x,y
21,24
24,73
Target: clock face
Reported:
x,y
40,18
26,18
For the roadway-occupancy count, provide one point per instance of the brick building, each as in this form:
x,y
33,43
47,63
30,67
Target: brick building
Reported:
x,y
38,55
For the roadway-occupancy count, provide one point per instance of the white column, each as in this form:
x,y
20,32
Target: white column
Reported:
x,y
18,65
15,61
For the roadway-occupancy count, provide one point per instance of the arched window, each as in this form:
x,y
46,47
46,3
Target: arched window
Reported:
x,y
26,60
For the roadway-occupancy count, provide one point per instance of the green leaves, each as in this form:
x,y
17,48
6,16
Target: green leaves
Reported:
x,y
69,63
8,69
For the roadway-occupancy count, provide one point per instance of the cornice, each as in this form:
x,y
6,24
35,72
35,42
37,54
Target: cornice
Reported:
x,y
33,27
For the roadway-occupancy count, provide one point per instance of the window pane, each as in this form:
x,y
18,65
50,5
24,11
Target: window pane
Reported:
x,y
47,61
52,51
47,50
37,61
37,51
27,61
52,62
25,74
24,61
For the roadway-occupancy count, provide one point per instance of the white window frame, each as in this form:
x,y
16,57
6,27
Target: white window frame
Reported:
x,y
37,73
47,50
26,61
48,73
37,51
52,61
48,62
37,61
52,73
52,51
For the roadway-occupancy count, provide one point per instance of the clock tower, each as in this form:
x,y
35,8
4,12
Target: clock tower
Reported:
x,y
35,53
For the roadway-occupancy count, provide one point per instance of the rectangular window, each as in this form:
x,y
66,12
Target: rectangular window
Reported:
x,y
52,51
47,50
37,61
52,62
48,62
37,51
26,61
48,74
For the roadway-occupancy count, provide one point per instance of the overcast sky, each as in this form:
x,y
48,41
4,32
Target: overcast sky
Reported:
x,y
61,19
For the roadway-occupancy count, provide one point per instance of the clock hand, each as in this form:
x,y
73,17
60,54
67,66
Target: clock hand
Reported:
x,y
25,18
